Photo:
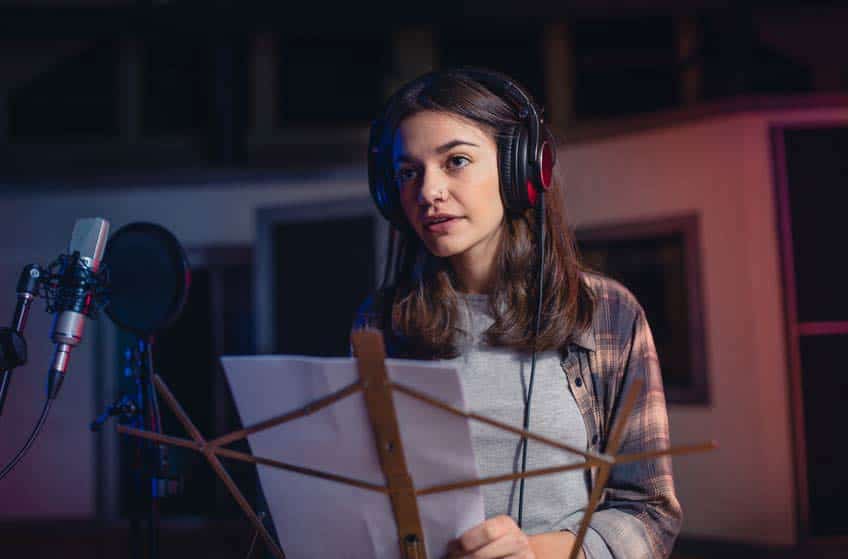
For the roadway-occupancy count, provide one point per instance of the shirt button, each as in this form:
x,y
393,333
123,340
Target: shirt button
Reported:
x,y
594,439
578,381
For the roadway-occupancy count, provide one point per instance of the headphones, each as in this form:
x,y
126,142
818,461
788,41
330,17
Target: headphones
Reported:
x,y
526,152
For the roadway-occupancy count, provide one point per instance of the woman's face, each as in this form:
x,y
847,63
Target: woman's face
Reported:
x,y
446,170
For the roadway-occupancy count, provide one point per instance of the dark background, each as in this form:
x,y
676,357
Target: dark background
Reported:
x,y
109,95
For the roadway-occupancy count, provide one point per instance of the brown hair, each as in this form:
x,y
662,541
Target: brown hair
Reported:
x,y
424,304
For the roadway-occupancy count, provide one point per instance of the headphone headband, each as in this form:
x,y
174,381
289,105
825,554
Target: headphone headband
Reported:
x,y
502,85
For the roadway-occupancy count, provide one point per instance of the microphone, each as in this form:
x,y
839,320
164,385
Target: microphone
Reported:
x,y
75,288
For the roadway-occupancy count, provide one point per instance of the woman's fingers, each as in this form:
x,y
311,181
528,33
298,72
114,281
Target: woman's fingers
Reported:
x,y
496,537
513,545
484,533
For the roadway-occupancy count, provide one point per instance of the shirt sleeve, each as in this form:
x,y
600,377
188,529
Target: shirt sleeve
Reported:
x,y
640,516
594,546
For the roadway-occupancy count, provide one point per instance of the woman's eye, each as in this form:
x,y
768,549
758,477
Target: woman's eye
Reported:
x,y
458,161
406,175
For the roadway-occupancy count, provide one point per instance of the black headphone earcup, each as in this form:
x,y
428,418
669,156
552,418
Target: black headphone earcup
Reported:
x,y
505,172
513,169
381,185
389,195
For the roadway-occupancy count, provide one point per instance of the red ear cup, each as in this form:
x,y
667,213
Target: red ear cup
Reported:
x,y
521,178
547,158
515,174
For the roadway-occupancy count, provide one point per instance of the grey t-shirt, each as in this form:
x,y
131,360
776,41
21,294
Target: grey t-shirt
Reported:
x,y
495,383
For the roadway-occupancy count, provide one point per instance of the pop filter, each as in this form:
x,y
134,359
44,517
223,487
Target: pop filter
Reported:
x,y
149,278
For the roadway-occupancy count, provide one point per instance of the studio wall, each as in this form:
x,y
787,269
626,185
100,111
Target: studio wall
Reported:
x,y
719,168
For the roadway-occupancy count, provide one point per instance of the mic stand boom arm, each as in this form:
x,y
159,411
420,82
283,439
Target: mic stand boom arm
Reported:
x,y
12,340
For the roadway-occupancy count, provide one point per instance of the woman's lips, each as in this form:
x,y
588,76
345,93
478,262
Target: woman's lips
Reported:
x,y
442,226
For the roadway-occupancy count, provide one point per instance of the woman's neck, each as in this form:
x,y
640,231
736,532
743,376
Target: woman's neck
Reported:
x,y
473,275
474,268
472,284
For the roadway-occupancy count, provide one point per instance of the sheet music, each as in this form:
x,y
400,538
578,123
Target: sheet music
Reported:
x,y
321,518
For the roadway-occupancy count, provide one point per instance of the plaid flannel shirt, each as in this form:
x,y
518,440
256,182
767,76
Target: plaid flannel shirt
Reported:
x,y
639,515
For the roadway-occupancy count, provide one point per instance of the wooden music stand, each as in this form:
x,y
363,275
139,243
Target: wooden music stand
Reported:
x,y
377,391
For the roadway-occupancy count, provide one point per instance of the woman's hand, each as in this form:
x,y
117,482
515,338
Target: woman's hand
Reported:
x,y
496,538
500,537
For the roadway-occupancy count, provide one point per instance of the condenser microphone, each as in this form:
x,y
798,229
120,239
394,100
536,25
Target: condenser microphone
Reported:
x,y
75,289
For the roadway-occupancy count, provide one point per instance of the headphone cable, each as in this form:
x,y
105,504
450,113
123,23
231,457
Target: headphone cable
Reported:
x,y
540,235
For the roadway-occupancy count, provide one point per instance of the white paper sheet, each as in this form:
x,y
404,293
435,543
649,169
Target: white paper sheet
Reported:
x,y
321,518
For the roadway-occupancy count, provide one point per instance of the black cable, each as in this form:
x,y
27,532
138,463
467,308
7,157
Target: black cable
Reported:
x,y
540,235
252,544
261,515
158,454
156,416
19,456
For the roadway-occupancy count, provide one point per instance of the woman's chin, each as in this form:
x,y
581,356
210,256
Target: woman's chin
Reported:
x,y
444,248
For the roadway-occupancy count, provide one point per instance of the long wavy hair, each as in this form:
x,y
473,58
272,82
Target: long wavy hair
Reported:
x,y
424,311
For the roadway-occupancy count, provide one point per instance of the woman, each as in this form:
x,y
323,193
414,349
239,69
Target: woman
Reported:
x,y
459,164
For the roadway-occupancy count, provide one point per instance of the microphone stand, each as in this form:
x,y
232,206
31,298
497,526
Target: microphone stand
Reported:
x,y
14,344
150,460
151,419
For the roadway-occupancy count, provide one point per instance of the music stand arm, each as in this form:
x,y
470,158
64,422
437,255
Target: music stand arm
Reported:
x,y
377,390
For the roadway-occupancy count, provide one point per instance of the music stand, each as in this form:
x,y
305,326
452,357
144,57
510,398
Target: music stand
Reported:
x,y
377,391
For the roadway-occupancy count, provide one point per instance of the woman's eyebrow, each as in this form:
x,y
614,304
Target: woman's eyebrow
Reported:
x,y
441,149
452,144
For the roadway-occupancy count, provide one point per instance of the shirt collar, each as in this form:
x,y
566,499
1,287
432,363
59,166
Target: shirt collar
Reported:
x,y
585,339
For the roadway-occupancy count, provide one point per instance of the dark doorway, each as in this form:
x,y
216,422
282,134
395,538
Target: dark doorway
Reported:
x,y
811,164
322,272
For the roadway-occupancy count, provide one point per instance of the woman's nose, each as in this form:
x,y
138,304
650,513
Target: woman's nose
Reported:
x,y
433,188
